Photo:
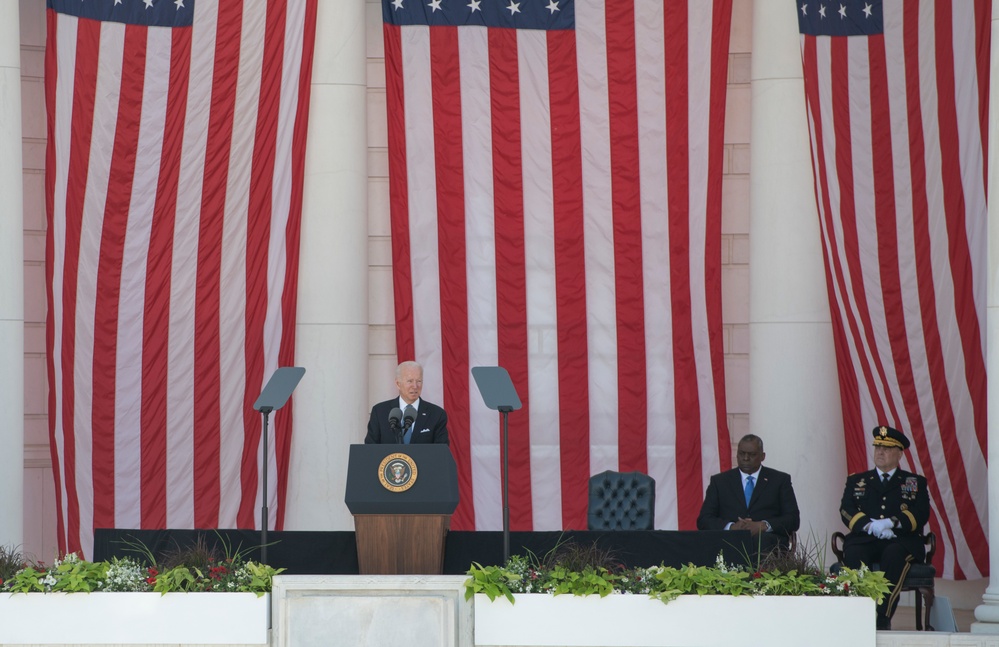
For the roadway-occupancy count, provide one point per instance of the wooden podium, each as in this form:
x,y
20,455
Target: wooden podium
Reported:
x,y
402,497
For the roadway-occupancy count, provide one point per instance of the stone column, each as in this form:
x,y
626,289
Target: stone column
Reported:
x,y
987,613
11,283
331,402
794,394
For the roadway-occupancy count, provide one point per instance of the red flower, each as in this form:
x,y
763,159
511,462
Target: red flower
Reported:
x,y
757,575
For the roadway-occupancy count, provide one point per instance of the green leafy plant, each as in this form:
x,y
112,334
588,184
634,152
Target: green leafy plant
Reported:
x,y
701,580
589,581
790,573
69,574
261,577
226,575
568,568
194,569
862,582
178,578
28,579
74,574
493,581
790,583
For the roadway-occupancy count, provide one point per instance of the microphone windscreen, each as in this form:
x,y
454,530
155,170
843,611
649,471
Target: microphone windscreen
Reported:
x,y
395,415
410,414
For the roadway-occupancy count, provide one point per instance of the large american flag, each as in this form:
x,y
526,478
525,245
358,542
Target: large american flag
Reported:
x,y
897,99
555,179
176,139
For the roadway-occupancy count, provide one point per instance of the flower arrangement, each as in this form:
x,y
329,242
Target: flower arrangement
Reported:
x,y
779,574
196,569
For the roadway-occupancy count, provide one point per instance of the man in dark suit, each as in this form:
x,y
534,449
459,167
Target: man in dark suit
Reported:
x,y
419,422
751,497
885,510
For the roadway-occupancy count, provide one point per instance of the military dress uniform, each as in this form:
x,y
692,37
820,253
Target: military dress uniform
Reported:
x,y
903,498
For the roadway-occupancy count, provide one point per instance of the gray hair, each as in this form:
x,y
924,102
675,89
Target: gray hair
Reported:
x,y
410,364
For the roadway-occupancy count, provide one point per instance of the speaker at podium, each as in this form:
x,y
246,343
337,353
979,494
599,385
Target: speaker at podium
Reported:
x,y
402,498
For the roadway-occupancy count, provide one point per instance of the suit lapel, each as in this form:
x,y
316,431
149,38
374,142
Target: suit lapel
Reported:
x,y
760,483
739,489
420,423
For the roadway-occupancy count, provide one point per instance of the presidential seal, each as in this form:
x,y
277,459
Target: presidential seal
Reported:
x,y
397,473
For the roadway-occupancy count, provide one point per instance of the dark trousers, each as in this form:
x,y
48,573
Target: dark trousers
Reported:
x,y
888,555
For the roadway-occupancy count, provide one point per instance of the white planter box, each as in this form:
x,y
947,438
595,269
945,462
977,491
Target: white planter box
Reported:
x,y
133,618
689,621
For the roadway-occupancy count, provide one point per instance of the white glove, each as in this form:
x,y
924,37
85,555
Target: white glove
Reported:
x,y
878,526
888,533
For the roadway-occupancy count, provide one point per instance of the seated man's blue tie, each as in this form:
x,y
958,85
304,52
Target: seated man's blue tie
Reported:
x,y
749,489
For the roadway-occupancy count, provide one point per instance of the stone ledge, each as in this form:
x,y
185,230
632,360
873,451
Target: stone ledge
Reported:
x,y
371,610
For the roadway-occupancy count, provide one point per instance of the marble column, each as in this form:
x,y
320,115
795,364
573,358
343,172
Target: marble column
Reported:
x,y
331,402
11,283
987,613
794,401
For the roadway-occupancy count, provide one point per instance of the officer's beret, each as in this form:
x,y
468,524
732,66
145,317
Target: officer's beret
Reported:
x,y
888,437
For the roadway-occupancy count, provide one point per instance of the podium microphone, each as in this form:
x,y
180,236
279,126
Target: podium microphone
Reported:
x,y
410,415
394,416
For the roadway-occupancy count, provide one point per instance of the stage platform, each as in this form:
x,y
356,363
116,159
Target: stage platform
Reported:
x,y
303,552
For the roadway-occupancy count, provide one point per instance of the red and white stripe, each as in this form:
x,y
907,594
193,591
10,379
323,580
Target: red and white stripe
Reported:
x,y
174,191
898,138
549,218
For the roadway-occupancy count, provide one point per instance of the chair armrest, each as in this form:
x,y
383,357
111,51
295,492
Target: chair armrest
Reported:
x,y
836,543
931,546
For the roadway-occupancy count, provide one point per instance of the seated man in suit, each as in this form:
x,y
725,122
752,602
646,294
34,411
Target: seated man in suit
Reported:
x,y
751,497
885,510
414,420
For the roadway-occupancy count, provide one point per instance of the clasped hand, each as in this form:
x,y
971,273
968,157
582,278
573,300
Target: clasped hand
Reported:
x,y
881,528
754,527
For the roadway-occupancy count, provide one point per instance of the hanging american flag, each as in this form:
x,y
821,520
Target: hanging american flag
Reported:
x,y
176,141
897,100
555,180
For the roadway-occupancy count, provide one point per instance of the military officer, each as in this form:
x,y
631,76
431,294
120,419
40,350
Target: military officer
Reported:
x,y
885,510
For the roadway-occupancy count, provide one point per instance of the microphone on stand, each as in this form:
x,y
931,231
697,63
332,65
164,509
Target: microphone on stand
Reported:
x,y
395,415
408,417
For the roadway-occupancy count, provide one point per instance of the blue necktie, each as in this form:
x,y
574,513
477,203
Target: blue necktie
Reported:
x,y
409,434
749,489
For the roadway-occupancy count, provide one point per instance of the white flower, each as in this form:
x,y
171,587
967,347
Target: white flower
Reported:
x,y
126,575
